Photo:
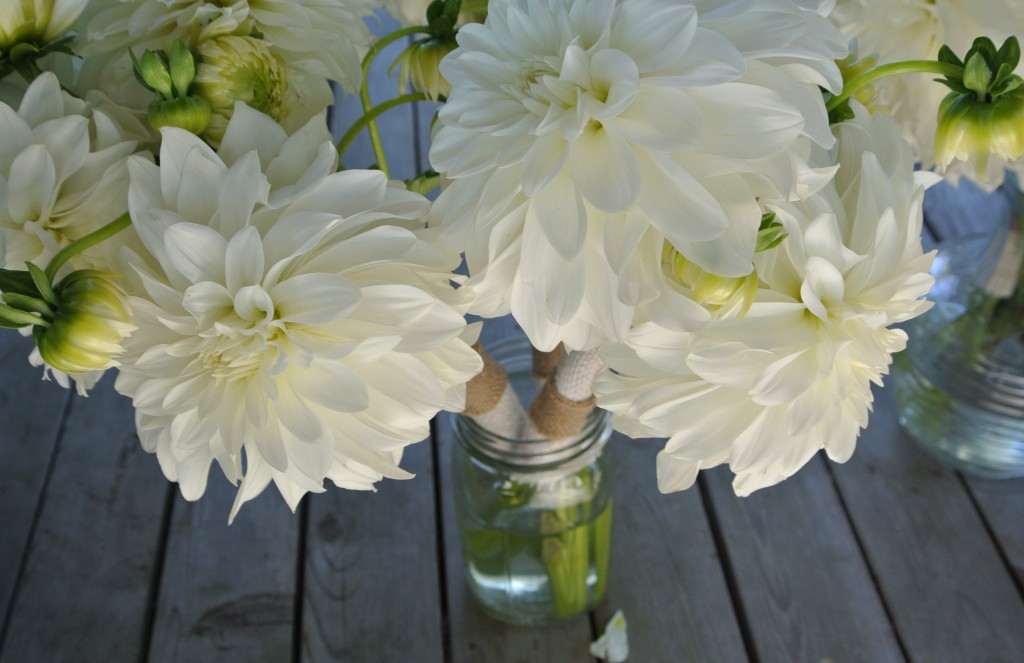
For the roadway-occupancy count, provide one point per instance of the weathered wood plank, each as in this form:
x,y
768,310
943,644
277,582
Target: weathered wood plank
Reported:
x,y
805,589
372,591
1002,504
86,588
33,411
948,593
228,593
665,574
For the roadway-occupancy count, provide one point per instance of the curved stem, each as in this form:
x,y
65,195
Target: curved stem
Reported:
x,y
853,85
83,243
364,89
370,116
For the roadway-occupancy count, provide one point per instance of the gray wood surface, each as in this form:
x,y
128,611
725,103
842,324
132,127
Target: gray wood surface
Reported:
x,y
665,571
950,596
33,412
798,570
371,588
228,593
95,544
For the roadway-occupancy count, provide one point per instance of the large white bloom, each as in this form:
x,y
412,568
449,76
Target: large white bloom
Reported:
x,y
765,391
580,135
294,323
915,30
62,175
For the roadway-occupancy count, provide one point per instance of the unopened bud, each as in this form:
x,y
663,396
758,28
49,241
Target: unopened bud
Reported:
x,y
191,114
721,294
234,69
90,321
420,67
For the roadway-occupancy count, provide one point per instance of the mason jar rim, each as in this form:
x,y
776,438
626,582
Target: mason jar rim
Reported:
x,y
529,455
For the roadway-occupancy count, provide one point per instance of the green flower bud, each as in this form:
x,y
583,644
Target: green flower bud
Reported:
x,y
720,294
969,128
191,114
983,116
234,69
90,321
420,67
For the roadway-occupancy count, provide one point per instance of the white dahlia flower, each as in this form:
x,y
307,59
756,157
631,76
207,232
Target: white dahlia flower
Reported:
x,y
579,135
293,338
313,40
763,392
325,38
915,30
63,175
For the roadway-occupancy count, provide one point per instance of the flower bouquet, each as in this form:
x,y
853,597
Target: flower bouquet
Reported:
x,y
701,214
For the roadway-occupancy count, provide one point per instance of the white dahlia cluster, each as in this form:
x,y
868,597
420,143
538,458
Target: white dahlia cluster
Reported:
x,y
579,136
294,324
765,391
284,52
915,30
63,175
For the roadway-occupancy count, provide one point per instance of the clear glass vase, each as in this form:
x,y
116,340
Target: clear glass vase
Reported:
x,y
960,383
534,516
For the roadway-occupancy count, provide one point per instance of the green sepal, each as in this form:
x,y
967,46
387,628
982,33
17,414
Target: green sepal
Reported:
x,y
947,55
442,17
152,72
27,303
42,284
16,280
977,75
1009,53
424,183
770,234
13,318
183,67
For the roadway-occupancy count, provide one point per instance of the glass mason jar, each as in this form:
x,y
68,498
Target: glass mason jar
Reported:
x,y
534,516
960,383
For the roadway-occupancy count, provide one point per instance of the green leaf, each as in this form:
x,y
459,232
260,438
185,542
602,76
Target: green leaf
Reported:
x,y
183,67
42,284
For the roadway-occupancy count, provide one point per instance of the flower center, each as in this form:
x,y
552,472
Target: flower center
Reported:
x,y
238,338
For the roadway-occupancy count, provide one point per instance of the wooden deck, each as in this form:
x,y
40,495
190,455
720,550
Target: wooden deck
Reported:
x,y
889,557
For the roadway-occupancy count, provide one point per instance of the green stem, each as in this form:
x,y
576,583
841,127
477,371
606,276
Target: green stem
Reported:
x,y
364,89
370,116
853,85
83,243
